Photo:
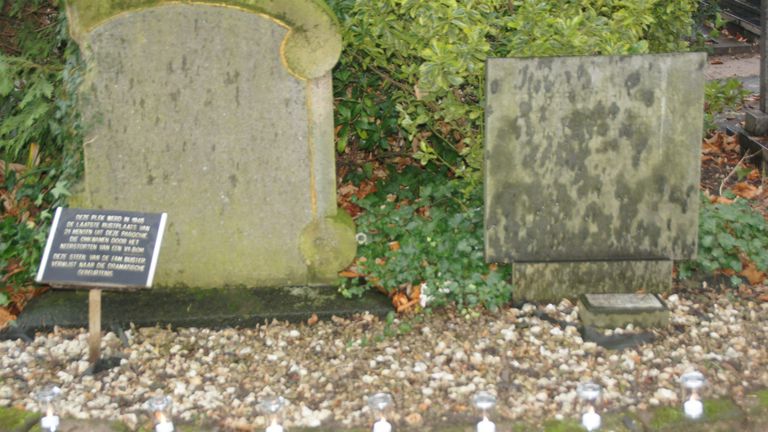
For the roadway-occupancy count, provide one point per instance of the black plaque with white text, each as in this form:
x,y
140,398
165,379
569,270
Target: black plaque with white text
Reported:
x,y
102,248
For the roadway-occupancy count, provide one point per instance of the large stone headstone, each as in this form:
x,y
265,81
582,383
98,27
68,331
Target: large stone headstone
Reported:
x,y
592,170
222,116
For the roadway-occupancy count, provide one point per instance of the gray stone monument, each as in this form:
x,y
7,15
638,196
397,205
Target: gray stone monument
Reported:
x,y
592,171
220,115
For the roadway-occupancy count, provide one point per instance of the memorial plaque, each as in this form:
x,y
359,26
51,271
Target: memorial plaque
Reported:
x,y
102,248
609,311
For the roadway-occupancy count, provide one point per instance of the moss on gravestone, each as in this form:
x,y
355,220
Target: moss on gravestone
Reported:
x,y
327,245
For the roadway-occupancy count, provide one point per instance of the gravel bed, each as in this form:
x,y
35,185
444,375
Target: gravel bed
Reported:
x,y
431,363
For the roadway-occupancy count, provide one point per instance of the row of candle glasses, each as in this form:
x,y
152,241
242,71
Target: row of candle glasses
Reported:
x,y
382,406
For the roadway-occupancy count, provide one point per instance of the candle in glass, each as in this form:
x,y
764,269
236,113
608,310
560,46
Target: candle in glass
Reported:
x,y
692,384
47,398
161,406
484,402
272,408
381,404
590,393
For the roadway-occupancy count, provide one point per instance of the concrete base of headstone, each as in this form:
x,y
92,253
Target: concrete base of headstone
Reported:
x,y
753,144
211,308
611,311
756,122
554,281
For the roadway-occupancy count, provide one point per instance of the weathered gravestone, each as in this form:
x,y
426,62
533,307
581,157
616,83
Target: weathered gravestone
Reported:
x,y
220,115
592,170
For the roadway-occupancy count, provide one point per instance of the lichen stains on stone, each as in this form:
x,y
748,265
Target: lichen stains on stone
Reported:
x,y
632,81
525,108
231,77
613,111
648,97
509,129
494,86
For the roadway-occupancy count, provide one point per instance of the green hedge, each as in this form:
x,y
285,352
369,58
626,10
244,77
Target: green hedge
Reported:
x,y
414,70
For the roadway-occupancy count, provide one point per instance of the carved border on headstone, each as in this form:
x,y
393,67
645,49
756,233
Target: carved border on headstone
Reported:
x,y
310,50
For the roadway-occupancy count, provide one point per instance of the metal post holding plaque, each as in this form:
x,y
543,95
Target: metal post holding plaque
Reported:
x,y
101,249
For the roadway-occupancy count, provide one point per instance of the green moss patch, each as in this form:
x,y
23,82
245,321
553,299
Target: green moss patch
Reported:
x,y
762,397
563,426
719,414
12,419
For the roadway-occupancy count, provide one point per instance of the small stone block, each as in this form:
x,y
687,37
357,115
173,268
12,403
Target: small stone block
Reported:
x,y
618,310
756,122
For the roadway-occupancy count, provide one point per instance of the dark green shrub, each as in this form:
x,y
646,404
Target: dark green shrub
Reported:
x,y
428,57
728,232
439,239
39,131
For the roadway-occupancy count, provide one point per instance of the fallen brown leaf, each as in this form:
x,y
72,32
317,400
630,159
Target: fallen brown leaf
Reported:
x,y
710,147
313,320
347,189
366,188
399,300
746,190
5,318
750,271
715,199
407,306
415,293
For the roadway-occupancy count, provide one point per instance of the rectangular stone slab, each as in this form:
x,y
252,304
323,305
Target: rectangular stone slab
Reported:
x,y
593,158
618,310
554,281
622,302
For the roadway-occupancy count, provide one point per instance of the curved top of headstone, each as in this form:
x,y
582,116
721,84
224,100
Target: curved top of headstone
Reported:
x,y
310,50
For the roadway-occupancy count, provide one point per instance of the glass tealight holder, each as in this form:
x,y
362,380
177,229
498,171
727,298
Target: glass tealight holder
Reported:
x,y
692,385
484,403
381,405
590,395
272,408
48,397
161,408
